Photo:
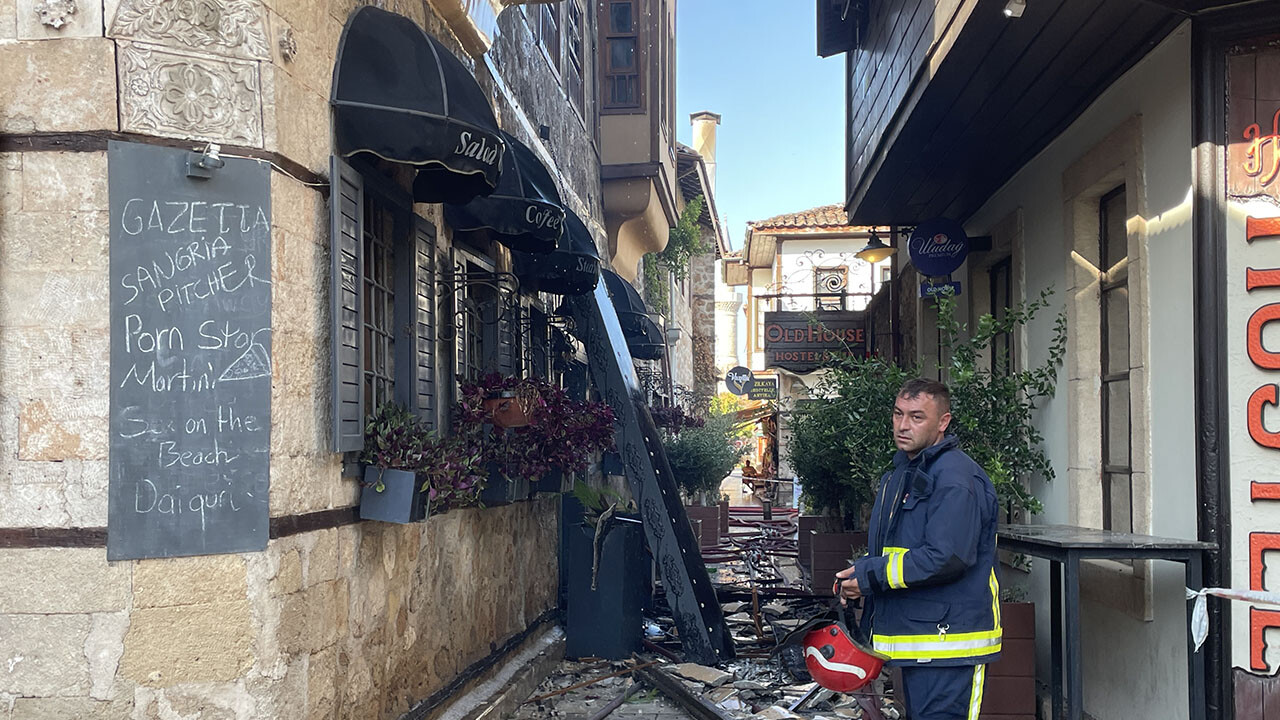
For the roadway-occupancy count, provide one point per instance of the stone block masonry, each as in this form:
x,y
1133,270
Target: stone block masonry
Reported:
x,y
355,621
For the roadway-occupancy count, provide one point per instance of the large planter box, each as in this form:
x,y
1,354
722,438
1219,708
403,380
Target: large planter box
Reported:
x,y
710,518
1010,689
605,622
810,524
554,481
400,501
829,553
501,490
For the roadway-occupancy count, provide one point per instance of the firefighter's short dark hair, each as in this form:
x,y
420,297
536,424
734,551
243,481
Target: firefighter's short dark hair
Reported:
x,y
912,389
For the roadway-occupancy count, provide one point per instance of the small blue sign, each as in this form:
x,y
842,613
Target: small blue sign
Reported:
x,y
938,247
928,289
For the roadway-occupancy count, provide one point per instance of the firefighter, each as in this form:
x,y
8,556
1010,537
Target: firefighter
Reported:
x,y
931,600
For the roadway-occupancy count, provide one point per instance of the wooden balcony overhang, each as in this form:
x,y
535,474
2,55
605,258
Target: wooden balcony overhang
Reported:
x,y
1001,91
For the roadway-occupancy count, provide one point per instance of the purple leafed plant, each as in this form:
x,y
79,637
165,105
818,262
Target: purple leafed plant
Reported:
x,y
563,433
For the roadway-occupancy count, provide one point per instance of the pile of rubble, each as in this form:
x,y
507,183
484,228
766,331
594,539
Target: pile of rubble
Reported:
x,y
650,686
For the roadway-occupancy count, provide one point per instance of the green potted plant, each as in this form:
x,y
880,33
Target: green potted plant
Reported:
x,y
393,454
841,444
701,453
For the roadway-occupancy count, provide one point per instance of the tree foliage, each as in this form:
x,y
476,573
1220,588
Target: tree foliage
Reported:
x,y
992,408
684,241
841,438
842,442
702,456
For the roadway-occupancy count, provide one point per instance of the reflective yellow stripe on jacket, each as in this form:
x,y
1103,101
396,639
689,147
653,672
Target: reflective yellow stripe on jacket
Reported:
x,y
893,570
938,646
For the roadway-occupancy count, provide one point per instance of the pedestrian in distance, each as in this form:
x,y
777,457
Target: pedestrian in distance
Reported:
x,y
931,599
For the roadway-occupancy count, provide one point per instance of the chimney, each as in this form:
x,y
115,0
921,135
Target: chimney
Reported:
x,y
704,141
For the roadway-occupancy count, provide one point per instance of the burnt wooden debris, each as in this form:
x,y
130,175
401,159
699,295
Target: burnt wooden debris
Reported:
x,y
703,634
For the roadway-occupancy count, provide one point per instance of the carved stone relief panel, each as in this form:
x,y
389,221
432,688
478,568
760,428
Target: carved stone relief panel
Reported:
x,y
190,96
47,19
236,28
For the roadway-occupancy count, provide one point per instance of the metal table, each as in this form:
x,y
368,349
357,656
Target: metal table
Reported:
x,y
1065,546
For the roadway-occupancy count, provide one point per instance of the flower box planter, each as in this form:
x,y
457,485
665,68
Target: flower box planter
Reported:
x,y
829,553
709,516
1010,687
401,499
502,490
553,481
810,524
605,622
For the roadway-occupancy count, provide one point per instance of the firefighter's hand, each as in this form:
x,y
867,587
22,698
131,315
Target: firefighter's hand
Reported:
x,y
846,586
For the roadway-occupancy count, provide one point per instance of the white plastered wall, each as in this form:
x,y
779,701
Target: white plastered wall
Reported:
x,y
1134,668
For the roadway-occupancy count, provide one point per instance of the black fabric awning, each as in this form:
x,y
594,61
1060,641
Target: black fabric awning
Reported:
x,y
400,95
632,313
649,345
523,213
573,269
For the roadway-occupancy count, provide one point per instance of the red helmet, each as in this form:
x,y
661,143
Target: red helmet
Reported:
x,y
837,661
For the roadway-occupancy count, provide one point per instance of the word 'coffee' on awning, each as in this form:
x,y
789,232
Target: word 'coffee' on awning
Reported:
x,y
573,269
524,212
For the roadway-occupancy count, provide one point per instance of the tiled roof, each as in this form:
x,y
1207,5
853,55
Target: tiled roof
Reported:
x,y
826,216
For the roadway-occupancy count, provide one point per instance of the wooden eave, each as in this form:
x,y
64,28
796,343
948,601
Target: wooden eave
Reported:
x,y
1000,93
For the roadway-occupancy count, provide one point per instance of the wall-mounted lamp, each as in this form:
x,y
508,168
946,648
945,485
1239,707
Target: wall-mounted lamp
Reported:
x,y
202,163
876,250
1015,8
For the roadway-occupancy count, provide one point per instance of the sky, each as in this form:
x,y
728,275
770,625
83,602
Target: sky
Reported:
x,y
780,144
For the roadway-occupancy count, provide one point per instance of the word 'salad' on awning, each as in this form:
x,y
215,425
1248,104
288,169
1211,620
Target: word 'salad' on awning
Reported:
x,y
573,269
524,212
400,95
644,337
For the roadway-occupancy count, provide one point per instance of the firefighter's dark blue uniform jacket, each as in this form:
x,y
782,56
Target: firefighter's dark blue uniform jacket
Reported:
x,y
929,580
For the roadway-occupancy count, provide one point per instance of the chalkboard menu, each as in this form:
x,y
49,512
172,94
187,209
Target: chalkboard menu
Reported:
x,y
190,353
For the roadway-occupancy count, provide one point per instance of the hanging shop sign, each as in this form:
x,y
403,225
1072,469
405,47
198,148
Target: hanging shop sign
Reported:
x,y
739,380
763,389
803,341
938,247
1252,259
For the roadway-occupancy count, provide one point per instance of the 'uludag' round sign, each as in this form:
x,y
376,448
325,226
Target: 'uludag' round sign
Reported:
x,y
938,247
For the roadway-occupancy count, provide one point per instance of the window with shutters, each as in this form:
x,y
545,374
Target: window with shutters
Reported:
x,y
1117,469
478,321
575,54
622,56
1108,386
549,32
378,283
1000,277
382,293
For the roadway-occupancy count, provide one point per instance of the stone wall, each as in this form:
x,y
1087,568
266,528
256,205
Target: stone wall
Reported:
x,y
702,276
353,621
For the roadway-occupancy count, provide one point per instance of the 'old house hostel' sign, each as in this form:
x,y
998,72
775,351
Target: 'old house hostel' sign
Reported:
x,y
803,341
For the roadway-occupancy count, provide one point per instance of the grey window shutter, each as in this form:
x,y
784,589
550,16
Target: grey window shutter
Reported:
x,y
424,314
346,214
